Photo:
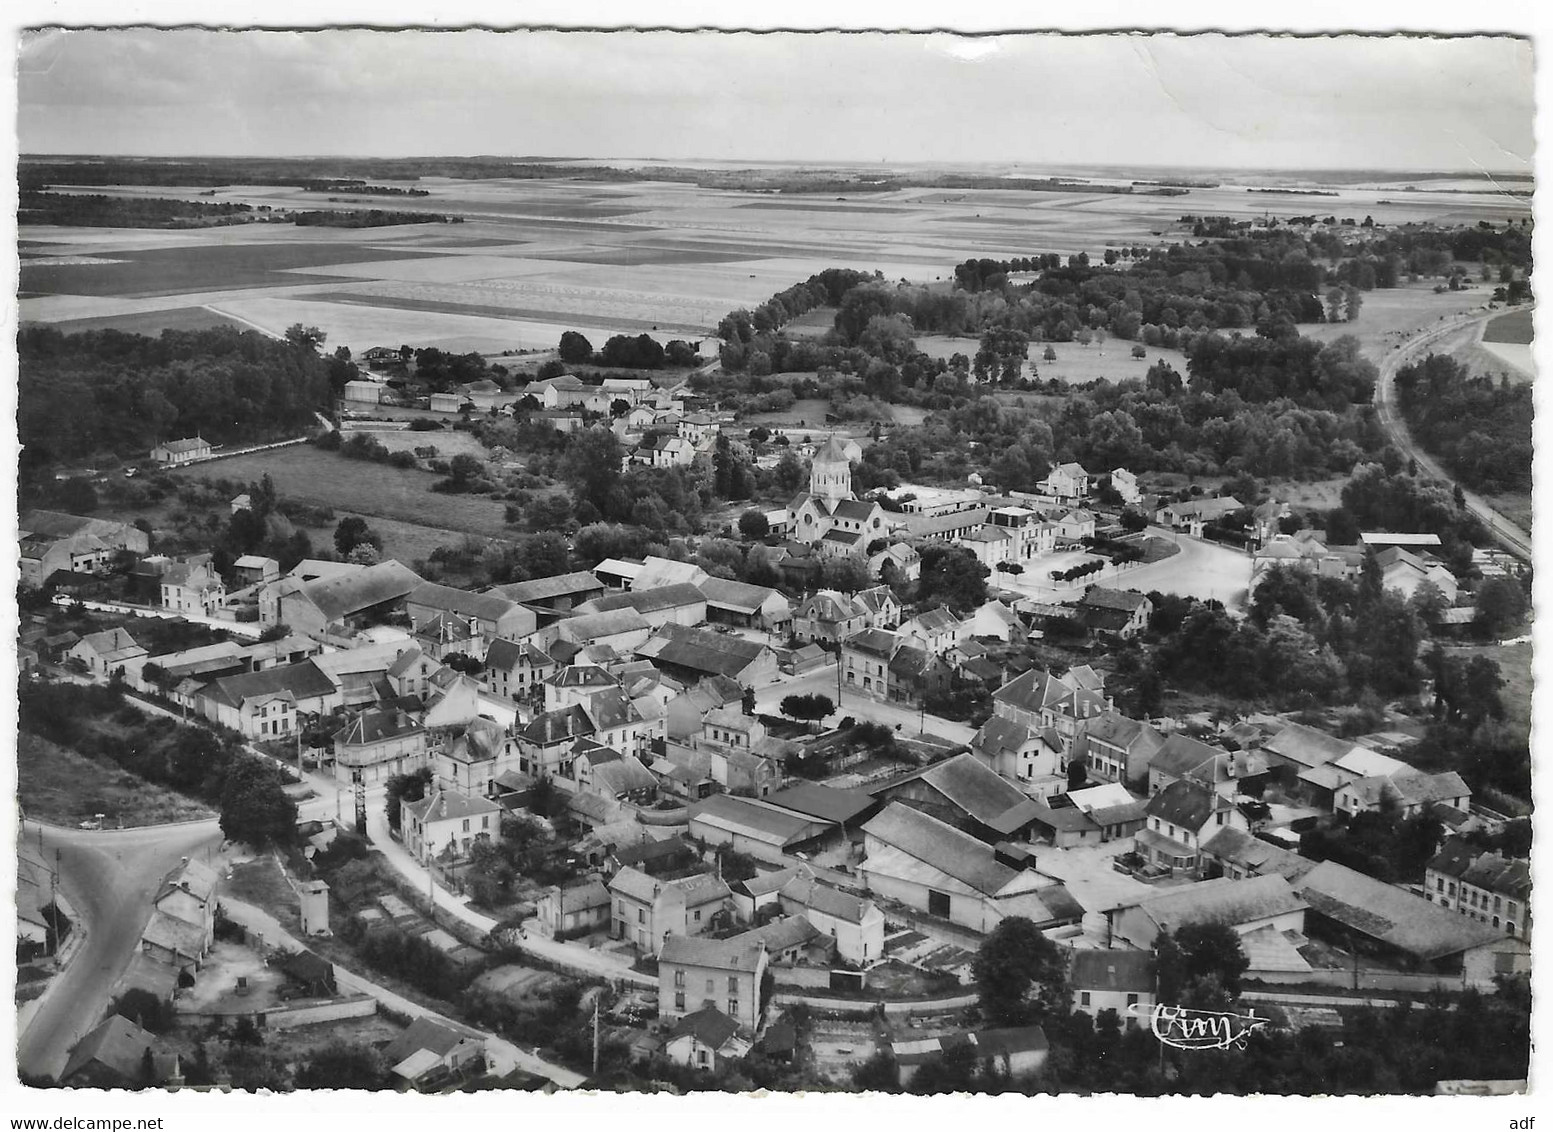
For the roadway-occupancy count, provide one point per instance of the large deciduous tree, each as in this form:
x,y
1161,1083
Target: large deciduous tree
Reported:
x,y
1020,975
574,348
254,806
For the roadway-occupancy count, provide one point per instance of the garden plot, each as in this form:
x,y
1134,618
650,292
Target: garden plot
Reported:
x,y
840,1046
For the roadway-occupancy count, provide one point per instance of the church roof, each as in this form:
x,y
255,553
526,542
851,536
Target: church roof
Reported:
x,y
831,452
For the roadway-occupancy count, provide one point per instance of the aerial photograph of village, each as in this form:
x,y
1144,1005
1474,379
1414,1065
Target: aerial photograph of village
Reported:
x,y
644,563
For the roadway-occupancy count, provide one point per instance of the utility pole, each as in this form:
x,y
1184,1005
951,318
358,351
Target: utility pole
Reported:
x,y
54,898
596,1032
840,654
431,887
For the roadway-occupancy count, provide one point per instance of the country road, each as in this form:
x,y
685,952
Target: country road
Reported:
x,y
1514,539
110,878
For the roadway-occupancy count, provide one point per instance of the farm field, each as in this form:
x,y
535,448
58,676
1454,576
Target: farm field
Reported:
x,y
1508,340
363,326
362,488
1510,358
1473,348
448,442
535,257
945,346
816,324
1388,317
152,323
1514,326
1111,361
180,270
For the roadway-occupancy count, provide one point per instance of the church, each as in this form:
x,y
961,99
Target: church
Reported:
x,y
828,516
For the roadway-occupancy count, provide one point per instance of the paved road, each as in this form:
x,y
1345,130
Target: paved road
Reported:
x,y
110,878
823,681
250,629
1511,536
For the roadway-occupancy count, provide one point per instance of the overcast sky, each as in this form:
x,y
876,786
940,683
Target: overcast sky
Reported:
x,y
1210,101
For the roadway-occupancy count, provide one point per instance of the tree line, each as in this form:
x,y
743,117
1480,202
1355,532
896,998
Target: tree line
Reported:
x,y
192,759
94,210
1480,429
104,391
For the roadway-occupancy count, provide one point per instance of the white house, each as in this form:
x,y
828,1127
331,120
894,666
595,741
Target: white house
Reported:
x,y
176,452
1126,485
1067,481
1117,980
445,823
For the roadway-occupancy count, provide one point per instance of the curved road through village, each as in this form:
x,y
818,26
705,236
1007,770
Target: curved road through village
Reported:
x,y
1514,539
110,877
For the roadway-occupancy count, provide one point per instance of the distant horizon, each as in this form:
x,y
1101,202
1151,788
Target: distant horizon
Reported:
x,y
1480,172
1389,104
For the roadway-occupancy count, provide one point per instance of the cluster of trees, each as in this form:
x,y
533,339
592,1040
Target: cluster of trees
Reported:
x,y
1387,497
823,289
1480,429
992,274
526,849
1385,846
264,527
365,446
1260,279
353,533
810,708
443,371
1470,730
1208,650
662,500
93,210
624,351
1002,356
193,759
364,189
1428,250
1123,425
951,576
1331,376
1307,641
105,391
366,218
